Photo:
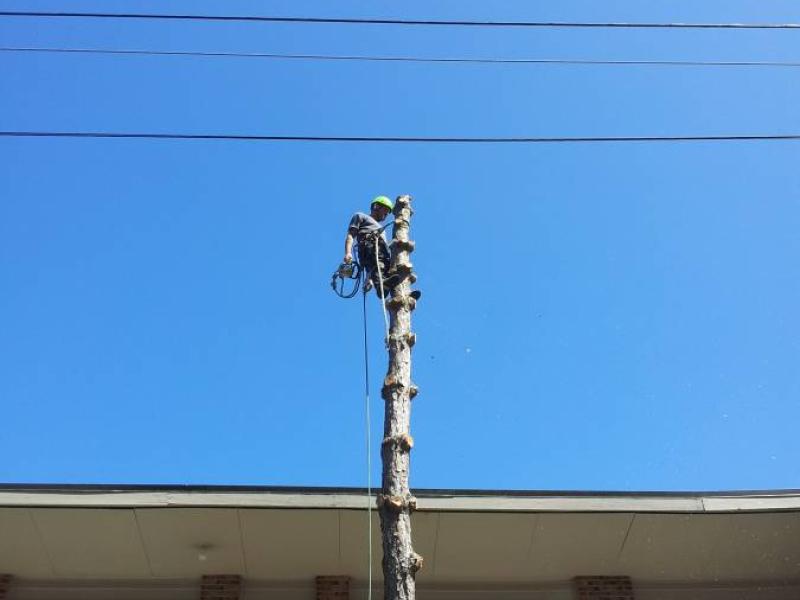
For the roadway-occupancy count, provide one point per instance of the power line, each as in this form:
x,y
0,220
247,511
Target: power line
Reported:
x,y
364,21
428,140
411,59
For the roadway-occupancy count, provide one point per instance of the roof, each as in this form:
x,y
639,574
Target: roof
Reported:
x,y
491,537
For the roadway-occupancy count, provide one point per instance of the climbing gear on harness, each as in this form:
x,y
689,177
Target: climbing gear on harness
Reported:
x,y
384,201
346,271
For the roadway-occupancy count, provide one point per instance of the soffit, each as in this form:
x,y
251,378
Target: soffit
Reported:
x,y
280,544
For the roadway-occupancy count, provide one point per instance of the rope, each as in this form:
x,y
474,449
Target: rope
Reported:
x,y
367,417
366,388
383,298
369,451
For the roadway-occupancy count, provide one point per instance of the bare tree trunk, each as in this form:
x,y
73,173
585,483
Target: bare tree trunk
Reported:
x,y
395,503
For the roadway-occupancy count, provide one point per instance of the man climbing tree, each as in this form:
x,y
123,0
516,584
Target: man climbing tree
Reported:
x,y
390,273
367,231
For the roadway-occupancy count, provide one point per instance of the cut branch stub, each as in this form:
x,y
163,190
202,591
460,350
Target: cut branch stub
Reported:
x,y
396,503
415,562
413,391
390,386
398,302
407,245
403,441
388,392
409,338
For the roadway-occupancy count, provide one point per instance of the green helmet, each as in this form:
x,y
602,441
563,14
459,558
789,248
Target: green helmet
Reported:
x,y
384,201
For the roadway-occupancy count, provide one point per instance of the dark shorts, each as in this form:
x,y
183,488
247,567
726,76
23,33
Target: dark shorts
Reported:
x,y
366,256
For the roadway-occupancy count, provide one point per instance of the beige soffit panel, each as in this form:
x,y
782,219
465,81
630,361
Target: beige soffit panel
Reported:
x,y
567,545
671,547
483,547
424,527
22,552
757,546
290,544
713,547
353,545
190,542
96,543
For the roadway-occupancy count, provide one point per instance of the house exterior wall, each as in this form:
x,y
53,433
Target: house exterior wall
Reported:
x,y
190,591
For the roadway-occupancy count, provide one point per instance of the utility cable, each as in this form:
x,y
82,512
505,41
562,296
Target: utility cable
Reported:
x,y
409,59
415,140
405,22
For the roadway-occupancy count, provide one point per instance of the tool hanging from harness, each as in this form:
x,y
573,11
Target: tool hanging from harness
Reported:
x,y
346,272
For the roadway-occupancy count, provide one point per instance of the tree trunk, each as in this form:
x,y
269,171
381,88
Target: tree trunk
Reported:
x,y
395,503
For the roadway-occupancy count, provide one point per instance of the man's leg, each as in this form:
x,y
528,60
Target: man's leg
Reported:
x,y
366,256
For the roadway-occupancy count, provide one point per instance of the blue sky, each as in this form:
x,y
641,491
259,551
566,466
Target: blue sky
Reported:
x,y
607,317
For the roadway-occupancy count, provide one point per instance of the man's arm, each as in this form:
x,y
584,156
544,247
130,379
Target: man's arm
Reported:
x,y
348,248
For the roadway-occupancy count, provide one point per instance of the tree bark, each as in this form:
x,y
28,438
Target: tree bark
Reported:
x,y
395,503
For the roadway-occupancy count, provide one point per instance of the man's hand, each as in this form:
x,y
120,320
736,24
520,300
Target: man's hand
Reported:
x,y
348,258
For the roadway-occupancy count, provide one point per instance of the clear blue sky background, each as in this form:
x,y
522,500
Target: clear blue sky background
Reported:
x,y
612,317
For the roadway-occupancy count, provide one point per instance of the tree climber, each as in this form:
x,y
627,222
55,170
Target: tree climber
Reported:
x,y
367,231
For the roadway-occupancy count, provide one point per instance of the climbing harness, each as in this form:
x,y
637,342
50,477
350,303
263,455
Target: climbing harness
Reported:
x,y
346,279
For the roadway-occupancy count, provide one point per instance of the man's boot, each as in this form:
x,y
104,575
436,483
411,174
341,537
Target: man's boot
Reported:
x,y
391,281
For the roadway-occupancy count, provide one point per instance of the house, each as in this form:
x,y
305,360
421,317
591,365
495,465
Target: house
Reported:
x,y
89,542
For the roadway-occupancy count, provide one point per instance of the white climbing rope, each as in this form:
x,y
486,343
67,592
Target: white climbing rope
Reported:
x,y
367,414
383,297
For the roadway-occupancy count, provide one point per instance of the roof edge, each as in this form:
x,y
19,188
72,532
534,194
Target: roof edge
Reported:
x,y
107,488
142,497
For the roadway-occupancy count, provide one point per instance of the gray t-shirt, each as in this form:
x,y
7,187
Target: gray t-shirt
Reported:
x,y
362,224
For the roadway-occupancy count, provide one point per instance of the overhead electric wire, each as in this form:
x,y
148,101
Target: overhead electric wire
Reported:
x,y
411,59
414,22
417,140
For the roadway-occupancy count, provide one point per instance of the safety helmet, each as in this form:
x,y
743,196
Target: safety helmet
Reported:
x,y
383,201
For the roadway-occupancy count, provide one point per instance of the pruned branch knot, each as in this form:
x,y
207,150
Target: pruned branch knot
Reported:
x,y
398,302
410,338
415,562
403,441
407,245
397,503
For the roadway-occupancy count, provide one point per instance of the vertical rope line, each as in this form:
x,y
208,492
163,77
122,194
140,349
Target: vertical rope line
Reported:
x,y
369,451
383,297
